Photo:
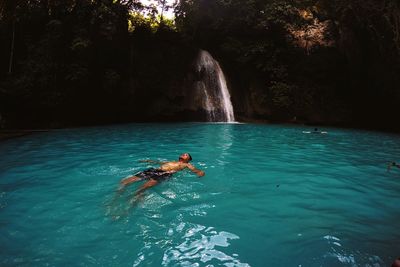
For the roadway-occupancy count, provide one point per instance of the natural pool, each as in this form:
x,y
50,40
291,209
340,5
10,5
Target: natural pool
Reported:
x,y
272,196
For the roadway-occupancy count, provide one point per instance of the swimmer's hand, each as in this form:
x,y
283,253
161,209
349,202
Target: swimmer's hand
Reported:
x,y
196,171
200,173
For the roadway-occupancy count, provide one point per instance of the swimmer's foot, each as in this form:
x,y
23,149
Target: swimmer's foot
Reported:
x,y
121,189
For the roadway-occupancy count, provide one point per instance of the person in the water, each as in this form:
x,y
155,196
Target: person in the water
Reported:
x,y
396,262
392,164
316,131
165,171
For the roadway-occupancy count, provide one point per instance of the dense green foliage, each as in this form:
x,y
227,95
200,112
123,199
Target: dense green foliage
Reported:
x,y
347,74
95,61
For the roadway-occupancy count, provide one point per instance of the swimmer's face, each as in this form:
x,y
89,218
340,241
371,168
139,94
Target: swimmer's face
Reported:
x,y
185,157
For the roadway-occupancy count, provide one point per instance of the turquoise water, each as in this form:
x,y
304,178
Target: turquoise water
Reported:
x,y
272,196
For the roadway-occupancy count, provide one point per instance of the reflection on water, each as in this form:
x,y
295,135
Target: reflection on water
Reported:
x,y
220,139
200,244
224,143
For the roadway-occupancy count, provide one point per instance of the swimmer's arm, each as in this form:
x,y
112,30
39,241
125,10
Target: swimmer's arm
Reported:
x,y
196,171
389,166
152,161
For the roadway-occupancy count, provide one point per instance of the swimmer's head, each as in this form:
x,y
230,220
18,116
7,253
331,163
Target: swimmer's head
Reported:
x,y
185,157
396,263
315,129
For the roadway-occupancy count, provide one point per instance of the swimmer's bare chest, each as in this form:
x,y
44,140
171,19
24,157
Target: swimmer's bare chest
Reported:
x,y
173,166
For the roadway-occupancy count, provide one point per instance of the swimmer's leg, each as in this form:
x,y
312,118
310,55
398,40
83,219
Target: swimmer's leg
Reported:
x,y
138,196
112,204
146,186
128,181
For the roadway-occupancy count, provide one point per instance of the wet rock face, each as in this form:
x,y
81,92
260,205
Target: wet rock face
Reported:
x,y
257,104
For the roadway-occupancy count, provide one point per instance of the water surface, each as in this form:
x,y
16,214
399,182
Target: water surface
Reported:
x,y
272,196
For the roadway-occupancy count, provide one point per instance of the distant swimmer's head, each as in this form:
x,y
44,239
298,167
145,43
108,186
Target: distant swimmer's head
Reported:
x,y
316,129
185,157
396,263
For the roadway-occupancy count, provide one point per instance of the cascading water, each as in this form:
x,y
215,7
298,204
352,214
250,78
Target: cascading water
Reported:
x,y
216,100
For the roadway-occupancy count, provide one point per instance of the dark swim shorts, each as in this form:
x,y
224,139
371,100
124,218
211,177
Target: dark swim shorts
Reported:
x,y
155,174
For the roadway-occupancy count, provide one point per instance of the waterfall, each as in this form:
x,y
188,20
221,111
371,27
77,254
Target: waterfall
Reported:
x,y
216,100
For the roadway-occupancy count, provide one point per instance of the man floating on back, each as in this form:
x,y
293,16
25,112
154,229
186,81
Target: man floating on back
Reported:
x,y
157,175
